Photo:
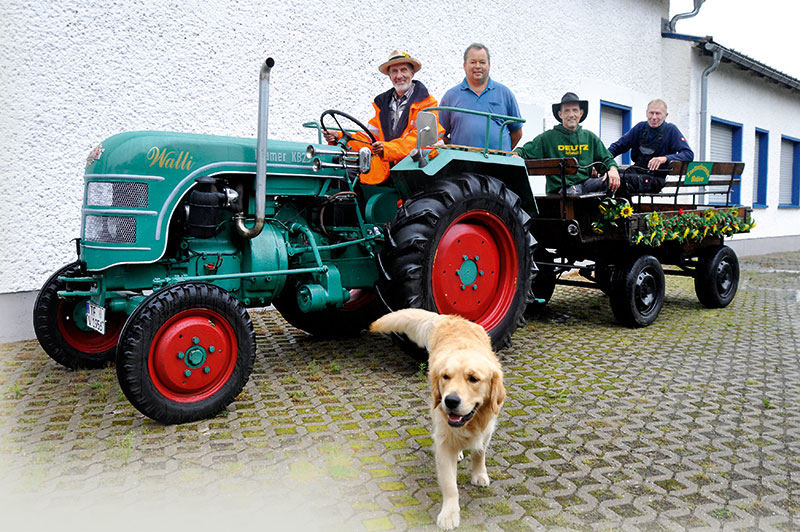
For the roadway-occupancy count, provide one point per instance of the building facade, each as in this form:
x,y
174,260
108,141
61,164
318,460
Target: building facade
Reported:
x,y
78,71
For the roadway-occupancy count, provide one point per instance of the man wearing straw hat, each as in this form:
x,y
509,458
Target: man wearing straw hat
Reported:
x,y
394,123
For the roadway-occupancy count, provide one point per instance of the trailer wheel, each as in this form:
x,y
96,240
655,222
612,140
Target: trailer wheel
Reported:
x,y
185,353
544,283
60,327
363,307
716,279
637,292
462,246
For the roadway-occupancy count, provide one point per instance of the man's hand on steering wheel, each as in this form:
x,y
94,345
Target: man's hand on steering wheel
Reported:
x,y
346,137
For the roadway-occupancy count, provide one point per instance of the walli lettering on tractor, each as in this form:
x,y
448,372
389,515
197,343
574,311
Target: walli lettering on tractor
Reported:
x,y
182,233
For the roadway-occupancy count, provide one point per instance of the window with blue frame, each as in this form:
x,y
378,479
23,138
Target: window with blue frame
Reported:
x,y
789,194
615,121
760,165
726,145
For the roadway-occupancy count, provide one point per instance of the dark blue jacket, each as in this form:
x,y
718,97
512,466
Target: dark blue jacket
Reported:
x,y
673,145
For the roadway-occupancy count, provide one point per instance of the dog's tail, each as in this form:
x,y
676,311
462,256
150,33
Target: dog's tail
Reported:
x,y
415,323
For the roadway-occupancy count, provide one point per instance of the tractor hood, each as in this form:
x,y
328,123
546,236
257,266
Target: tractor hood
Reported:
x,y
134,181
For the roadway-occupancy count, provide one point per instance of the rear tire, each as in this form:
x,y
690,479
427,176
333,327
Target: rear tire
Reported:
x,y
185,353
716,279
60,331
462,246
637,292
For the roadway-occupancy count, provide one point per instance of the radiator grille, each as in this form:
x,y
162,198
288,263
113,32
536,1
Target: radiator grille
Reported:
x,y
111,194
116,229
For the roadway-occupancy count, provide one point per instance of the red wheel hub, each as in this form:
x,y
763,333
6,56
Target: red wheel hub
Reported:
x,y
88,341
192,355
475,269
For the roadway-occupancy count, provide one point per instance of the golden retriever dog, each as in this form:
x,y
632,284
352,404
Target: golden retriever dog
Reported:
x,y
467,390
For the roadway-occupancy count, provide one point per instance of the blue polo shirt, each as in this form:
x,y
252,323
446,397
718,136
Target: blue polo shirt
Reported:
x,y
470,130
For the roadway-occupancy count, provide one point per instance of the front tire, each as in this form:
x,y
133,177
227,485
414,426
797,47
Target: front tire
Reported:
x,y
185,353
716,279
462,246
637,292
62,332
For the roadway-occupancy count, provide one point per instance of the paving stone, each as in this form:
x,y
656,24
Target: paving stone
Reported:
x,y
689,424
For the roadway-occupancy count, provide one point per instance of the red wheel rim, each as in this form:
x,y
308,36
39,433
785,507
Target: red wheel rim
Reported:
x,y
359,298
88,341
475,269
192,355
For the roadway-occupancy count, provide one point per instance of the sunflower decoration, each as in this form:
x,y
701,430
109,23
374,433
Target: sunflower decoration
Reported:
x,y
692,225
611,209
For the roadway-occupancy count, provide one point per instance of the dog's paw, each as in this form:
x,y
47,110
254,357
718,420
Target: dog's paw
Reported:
x,y
448,518
480,479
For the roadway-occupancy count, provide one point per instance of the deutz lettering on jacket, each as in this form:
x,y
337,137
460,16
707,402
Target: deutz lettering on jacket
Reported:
x,y
572,149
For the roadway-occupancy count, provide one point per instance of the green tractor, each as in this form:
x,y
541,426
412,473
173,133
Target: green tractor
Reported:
x,y
182,233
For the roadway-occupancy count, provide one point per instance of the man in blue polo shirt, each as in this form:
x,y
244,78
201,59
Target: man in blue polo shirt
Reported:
x,y
480,93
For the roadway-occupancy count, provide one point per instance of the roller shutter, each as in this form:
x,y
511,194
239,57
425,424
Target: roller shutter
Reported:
x,y
757,169
611,120
786,177
721,150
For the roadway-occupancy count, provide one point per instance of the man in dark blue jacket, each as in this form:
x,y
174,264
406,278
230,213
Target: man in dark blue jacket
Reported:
x,y
653,144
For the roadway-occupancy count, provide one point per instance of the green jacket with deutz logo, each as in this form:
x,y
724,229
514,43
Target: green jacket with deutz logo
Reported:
x,y
561,142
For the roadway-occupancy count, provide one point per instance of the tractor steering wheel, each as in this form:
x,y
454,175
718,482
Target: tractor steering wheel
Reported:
x,y
346,137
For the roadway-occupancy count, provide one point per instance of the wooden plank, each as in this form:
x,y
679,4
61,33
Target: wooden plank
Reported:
x,y
712,182
552,166
717,168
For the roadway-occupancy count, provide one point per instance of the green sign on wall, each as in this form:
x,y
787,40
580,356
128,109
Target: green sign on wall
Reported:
x,y
697,173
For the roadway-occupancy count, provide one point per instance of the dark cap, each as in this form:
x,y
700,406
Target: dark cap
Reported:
x,y
571,97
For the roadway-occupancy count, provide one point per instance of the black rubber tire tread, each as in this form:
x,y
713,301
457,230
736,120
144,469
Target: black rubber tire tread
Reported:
x,y
45,325
420,354
708,276
421,222
623,296
544,282
137,335
328,323
603,276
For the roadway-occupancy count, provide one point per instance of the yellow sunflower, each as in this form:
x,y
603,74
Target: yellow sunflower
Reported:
x,y
626,211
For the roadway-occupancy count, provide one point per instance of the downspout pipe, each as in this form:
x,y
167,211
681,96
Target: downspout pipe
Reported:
x,y
669,27
261,156
717,55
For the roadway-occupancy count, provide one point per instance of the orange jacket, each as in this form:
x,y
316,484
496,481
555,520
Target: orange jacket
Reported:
x,y
396,144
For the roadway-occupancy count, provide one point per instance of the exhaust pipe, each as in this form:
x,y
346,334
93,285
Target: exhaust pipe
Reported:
x,y
261,156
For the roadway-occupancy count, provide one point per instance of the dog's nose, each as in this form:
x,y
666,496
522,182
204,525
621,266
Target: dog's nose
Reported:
x,y
452,401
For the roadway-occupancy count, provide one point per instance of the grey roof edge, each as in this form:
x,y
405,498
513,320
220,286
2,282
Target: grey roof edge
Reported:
x,y
707,46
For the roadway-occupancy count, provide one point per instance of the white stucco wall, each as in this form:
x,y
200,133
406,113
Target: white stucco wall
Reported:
x,y
741,97
75,72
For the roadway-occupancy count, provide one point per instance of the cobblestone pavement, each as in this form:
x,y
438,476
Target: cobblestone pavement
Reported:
x,y
689,424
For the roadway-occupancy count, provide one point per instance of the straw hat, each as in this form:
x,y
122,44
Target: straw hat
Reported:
x,y
399,57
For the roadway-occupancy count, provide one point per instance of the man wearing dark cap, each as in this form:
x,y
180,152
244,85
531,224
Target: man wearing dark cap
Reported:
x,y
569,139
394,123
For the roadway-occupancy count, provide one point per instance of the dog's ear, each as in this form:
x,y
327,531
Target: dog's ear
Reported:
x,y
497,394
433,376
